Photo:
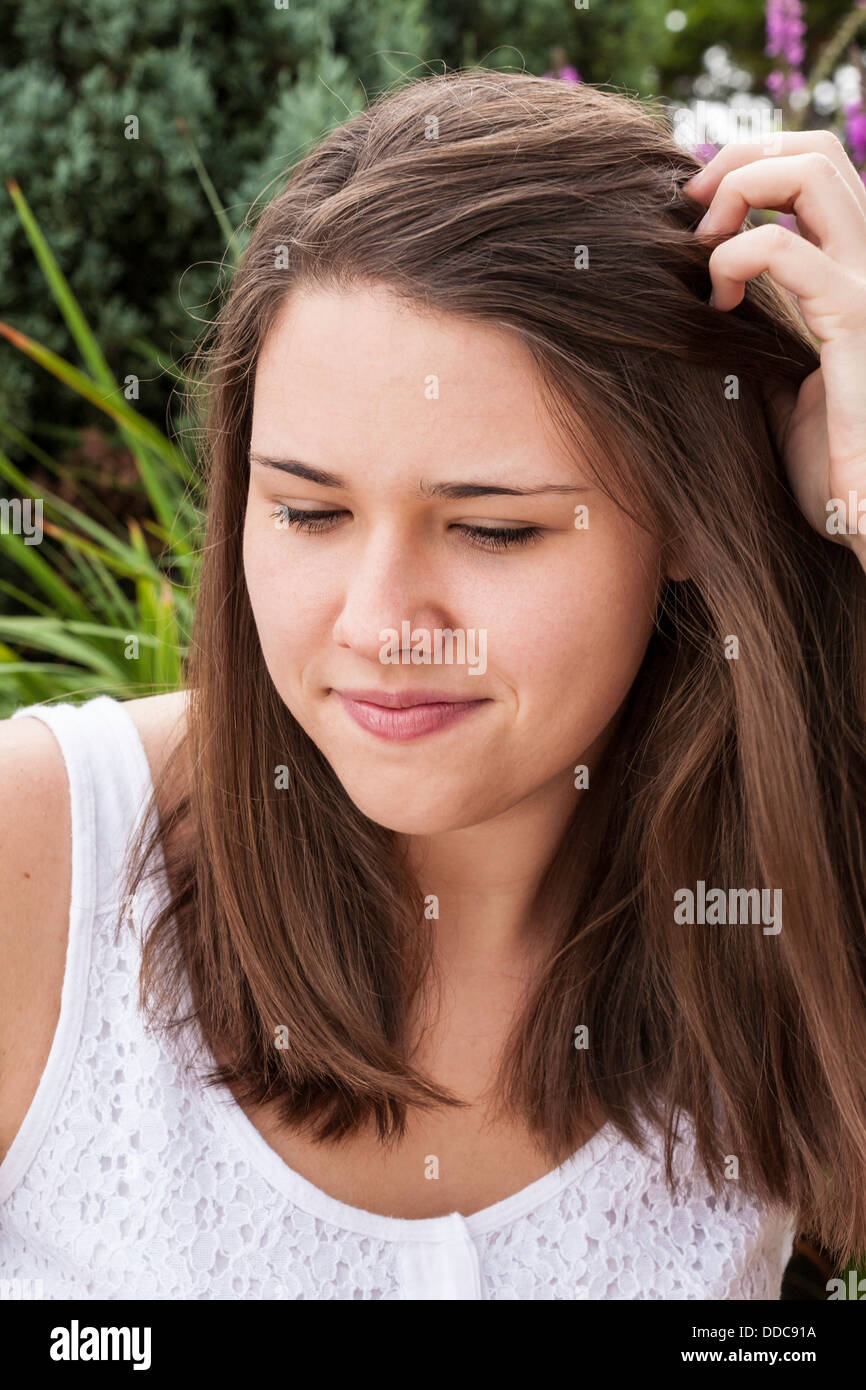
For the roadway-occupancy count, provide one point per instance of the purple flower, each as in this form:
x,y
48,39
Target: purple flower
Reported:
x,y
855,131
569,74
705,153
785,30
776,84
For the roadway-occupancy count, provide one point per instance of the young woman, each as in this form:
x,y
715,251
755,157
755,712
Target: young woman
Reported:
x,y
497,928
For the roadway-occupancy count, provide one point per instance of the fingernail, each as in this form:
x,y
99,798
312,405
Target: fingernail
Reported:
x,y
711,301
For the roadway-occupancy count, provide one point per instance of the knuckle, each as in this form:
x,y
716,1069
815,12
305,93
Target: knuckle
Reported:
x,y
828,143
777,237
821,164
729,179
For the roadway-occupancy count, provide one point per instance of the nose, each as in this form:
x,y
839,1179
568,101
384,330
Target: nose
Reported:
x,y
391,579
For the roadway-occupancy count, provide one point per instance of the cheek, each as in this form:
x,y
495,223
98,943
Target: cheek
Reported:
x,y
579,635
285,602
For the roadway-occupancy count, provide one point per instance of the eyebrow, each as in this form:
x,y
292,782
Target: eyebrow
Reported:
x,y
454,492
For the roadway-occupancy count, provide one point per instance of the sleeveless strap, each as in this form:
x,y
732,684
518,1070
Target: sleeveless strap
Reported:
x,y
110,785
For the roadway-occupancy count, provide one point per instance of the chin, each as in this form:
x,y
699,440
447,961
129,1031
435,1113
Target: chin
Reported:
x,y
412,812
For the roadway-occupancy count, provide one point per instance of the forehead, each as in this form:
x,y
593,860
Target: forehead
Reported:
x,y
364,369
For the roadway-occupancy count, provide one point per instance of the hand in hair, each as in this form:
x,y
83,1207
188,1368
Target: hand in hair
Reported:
x,y
822,428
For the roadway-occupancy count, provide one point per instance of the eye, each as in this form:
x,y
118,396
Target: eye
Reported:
x,y
500,537
487,537
301,520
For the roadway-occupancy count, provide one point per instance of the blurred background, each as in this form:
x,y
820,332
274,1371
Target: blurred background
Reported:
x,y
137,139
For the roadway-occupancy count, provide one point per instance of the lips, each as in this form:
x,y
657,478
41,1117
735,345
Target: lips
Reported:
x,y
405,699
403,715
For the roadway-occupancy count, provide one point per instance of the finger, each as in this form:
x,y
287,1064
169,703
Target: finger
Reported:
x,y
831,300
702,186
810,186
833,304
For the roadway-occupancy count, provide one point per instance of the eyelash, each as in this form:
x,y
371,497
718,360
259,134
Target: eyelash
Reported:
x,y
485,537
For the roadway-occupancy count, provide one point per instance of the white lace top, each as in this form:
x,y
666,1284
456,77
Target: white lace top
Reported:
x,y
130,1179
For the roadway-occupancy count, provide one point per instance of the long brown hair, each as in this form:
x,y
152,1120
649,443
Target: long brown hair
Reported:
x,y
471,192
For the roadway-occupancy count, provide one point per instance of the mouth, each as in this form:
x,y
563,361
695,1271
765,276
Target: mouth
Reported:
x,y
403,715
405,699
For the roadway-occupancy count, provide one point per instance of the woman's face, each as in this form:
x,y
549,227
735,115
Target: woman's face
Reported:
x,y
384,397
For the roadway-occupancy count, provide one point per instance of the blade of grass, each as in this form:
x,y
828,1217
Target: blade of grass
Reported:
x,y
110,543
117,604
128,419
126,568
85,582
26,600
210,192
167,662
63,599
50,635
40,668
29,446
60,289
86,340
31,683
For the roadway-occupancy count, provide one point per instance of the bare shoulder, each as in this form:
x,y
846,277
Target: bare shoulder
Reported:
x,y
35,873
34,822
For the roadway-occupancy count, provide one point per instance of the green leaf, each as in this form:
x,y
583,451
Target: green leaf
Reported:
x,y
59,287
111,402
132,424
64,599
51,635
